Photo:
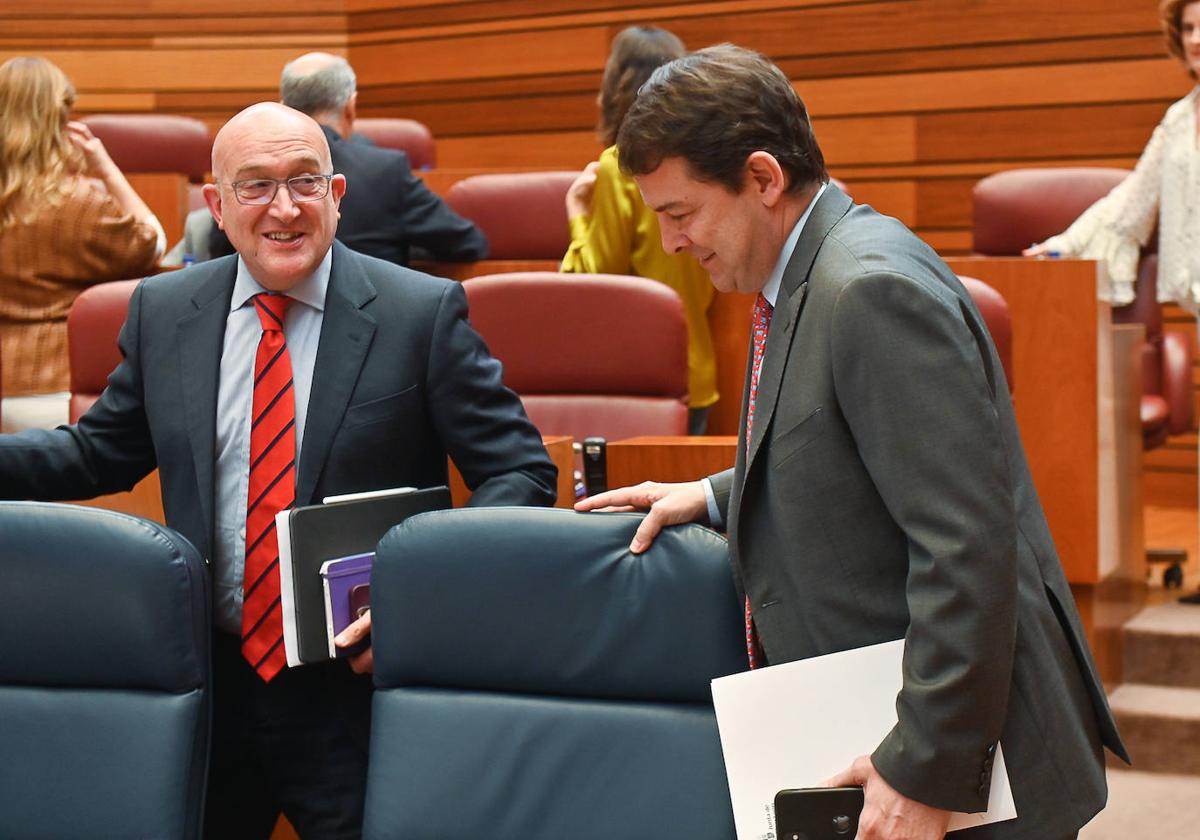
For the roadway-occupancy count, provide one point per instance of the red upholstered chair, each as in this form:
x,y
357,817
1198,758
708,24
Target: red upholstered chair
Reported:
x,y
994,309
1021,206
589,354
409,136
93,324
523,214
147,143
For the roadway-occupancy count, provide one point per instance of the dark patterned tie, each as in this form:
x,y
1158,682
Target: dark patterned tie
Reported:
x,y
759,329
272,488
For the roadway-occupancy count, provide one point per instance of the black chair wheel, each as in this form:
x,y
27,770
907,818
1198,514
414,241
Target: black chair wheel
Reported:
x,y
1173,576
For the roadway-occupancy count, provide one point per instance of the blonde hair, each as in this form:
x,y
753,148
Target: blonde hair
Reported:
x,y
38,161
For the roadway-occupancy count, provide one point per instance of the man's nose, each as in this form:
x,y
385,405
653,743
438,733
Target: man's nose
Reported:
x,y
283,206
673,239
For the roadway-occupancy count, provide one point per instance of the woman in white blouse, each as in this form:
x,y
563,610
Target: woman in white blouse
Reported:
x,y
1164,188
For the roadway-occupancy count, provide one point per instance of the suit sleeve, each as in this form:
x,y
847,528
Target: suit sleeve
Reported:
x,y
483,425
915,391
108,450
428,224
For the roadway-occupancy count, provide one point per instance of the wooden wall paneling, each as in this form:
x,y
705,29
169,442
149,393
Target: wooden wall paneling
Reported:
x,y
545,150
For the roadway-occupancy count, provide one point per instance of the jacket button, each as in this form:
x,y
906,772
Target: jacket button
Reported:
x,y
991,750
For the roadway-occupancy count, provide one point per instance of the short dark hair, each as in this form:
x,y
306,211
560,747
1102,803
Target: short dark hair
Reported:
x,y
714,108
1170,13
636,52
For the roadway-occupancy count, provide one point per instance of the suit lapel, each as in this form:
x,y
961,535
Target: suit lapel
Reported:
x,y
200,335
346,333
830,208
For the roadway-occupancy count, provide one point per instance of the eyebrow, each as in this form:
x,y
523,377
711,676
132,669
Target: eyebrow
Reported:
x,y
255,167
666,208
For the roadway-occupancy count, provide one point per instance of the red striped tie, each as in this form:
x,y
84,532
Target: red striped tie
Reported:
x,y
759,329
272,488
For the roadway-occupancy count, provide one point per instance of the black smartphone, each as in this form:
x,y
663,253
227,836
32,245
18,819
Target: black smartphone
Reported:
x,y
818,813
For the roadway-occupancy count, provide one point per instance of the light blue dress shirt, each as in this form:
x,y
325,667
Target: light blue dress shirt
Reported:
x,y
302,330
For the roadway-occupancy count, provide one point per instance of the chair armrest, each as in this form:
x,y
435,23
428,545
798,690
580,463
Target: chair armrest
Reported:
x,y
1177,380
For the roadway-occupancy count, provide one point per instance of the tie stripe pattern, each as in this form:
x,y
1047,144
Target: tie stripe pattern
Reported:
x,y
272,488
759,329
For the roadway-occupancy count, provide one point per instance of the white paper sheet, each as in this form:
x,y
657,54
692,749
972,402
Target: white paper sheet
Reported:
x,y
795,725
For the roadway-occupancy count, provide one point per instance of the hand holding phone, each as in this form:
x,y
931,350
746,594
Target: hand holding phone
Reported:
x,y
829,813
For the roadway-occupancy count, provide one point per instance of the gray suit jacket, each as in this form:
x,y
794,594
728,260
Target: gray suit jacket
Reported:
x,y
886,494
400,381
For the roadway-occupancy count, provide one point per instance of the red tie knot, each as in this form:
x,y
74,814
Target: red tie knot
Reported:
x,y
271,309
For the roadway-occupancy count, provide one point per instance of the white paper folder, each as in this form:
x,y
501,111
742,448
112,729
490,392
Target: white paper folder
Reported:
x,y
795,725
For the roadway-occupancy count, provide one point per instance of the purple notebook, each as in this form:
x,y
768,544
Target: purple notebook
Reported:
x,y
347,584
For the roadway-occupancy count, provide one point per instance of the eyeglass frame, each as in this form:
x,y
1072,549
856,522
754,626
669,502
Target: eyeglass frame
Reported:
x,y
274,192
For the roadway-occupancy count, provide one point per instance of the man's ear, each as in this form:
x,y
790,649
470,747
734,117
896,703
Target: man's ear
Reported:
x,y
350,110
337,189
212,197
766,177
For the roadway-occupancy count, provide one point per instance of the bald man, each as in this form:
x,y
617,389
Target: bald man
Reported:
x,y
387,379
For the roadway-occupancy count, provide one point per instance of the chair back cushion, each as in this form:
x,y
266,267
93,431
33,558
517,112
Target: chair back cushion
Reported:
x,y
93,324
523,214
409,136
104,674
142,143
589,354
536,680
1018,207
994,309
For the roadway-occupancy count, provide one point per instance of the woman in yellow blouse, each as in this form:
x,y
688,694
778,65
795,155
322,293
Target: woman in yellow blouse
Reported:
x,y
612,230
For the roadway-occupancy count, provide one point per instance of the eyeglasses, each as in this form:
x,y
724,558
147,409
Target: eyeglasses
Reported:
x,y
262,190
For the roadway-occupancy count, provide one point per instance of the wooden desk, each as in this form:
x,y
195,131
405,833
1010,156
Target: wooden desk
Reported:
x,y
562,452
668,458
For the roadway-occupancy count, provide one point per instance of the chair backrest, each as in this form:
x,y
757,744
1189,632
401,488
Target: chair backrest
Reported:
x,y
93,325
409,136
1018,207
589,354
144,143
536,680
994,309
523,214
104,675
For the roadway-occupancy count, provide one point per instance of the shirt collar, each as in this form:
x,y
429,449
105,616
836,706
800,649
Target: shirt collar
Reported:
x,y
311,290
775,279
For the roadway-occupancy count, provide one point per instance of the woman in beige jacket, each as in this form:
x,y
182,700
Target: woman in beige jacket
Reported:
x,y
68,219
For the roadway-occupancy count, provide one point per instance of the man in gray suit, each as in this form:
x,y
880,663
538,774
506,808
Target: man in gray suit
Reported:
x,y
386,379
881,490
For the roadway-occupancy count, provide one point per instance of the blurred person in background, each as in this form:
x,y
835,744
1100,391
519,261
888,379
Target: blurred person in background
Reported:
x,y
68,219
612,230
1162,192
